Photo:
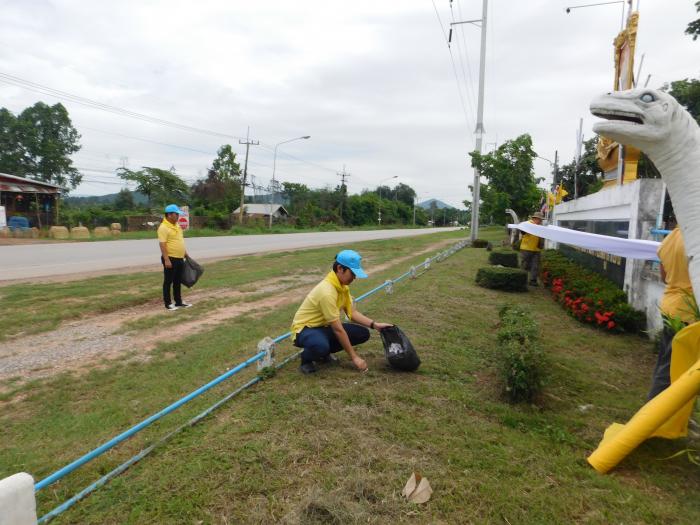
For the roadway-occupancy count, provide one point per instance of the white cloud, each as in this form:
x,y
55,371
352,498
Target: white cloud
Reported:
x,y
371,82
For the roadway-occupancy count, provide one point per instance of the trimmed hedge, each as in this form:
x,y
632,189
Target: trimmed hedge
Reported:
x,y
504,257
502,278
523,361
480,243
588,296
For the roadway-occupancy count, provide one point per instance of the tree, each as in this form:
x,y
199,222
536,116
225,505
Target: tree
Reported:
x,y
218,191
124,200
159,186
38,143
11,151
511,180
687,93
225,165
404,193
588,176
693,28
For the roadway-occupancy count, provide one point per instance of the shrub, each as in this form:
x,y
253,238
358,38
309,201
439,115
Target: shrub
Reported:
x,y
588,296
504,257
501,278
516,325
523,361
480,243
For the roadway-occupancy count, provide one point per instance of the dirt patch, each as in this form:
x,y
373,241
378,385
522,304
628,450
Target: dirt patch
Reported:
x,y
92,341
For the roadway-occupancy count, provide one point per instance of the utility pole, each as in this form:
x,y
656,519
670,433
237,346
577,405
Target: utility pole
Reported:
x,y
343,189
247,143
479,131
579,142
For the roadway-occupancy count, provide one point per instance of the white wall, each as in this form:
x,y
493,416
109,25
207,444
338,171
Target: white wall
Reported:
x,y
637,202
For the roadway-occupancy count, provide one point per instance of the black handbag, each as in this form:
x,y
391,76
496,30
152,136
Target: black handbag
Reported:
x,y
398,350
191,272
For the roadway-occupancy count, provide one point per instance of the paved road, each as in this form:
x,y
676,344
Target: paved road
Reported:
x,y
60,259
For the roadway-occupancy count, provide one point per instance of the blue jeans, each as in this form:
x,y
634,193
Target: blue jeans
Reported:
x,y
319,343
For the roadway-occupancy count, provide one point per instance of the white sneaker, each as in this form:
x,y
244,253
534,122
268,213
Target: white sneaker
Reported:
x,y
183,305
172,307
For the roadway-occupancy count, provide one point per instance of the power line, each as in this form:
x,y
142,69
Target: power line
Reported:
x,y
46,90
454,67
470,84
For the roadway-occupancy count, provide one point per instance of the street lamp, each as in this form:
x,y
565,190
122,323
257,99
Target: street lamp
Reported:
x,y
274,168
380,196
622,23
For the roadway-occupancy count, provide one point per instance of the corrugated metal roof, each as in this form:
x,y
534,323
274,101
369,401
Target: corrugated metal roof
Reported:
x,y
261,209
36,186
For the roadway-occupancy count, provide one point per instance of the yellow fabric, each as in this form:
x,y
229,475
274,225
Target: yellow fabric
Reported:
x,y
678,286
171,235
557,196
323,304
664,416
529,242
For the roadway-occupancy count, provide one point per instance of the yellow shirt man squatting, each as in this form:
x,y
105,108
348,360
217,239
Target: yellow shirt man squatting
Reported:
x,y
317,327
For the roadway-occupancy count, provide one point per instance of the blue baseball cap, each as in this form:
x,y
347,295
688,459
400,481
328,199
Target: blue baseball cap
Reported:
x,y
351,259
172,208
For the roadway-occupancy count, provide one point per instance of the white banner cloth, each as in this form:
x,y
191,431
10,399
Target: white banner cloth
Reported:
x,y
630,248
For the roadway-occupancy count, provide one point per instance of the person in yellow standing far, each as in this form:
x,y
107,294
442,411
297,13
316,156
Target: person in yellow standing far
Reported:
x,y
173,253
530,248
675,304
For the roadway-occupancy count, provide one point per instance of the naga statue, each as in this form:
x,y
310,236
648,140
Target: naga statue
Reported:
x,y
654,122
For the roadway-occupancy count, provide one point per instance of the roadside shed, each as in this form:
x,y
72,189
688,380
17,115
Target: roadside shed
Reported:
x,y
37,201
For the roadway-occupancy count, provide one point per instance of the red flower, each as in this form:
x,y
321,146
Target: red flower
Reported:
x,y
611,325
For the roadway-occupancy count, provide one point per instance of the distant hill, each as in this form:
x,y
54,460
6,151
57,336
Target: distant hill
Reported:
x,y
97,200
438,204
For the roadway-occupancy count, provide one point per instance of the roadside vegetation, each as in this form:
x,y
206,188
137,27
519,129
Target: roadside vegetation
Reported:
x,y
337,447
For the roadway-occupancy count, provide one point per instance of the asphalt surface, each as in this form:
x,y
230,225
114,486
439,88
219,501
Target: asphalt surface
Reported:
x,y
61,259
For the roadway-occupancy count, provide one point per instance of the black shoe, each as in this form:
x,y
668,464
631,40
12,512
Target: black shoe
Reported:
x,y
330,359
307,368
533,283
183,305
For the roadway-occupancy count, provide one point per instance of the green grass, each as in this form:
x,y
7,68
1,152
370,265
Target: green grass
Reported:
x,y
40,307
338,447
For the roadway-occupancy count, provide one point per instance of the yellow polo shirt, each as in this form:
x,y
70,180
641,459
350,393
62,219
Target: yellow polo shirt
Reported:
x,y
529,242
322,305
678,286
171,235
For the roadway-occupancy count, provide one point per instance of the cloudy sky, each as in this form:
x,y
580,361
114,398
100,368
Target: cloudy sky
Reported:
x,y
372,82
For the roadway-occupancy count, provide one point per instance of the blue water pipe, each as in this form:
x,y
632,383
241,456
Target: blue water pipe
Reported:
x,y
143,424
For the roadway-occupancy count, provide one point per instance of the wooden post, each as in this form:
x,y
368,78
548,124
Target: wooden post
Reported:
x,y
38,209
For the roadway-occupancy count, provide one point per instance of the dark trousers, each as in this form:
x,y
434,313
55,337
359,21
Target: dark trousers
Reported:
x,y
172,277
530,262
661,378
321,342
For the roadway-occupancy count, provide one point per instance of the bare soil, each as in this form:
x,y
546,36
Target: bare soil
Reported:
x,y
92,341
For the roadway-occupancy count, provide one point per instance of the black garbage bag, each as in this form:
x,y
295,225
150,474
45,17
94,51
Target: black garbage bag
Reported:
x,y
191,272
398,350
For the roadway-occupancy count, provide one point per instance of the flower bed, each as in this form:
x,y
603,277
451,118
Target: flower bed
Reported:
x,y
588,296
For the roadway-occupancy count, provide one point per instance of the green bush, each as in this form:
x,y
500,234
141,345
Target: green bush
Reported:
x,y
522,360
504,257
516,325
501,278
480,243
